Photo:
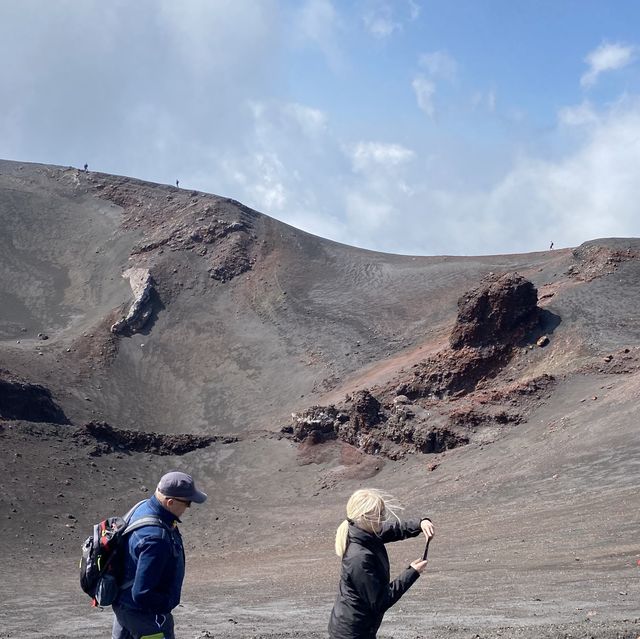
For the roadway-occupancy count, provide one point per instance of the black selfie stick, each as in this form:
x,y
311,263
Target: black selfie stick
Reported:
x,y
426,550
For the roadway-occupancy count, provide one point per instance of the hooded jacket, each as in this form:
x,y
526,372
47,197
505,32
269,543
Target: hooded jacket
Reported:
x,y
154,562
364,593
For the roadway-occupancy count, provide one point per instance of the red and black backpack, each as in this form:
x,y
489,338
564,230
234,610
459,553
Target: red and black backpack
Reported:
x,y
101,564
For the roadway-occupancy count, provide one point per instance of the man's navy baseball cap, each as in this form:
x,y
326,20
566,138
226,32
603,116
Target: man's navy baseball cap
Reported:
x,y
181,486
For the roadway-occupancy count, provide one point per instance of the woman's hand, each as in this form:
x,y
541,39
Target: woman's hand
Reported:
x,y
427,528
419,565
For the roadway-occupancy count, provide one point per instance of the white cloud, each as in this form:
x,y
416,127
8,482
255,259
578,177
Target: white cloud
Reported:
x,y
366,214
84,73
205,35
487,101
607,57
592,192
380,27
439,64
383,18
269,188
367,155
288,118
318,24
425,90
579,115
312,121
380,22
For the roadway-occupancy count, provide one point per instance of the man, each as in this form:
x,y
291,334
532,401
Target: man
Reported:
x,y
154,562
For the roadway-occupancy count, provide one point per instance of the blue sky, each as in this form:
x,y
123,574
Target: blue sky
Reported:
x,y
407,126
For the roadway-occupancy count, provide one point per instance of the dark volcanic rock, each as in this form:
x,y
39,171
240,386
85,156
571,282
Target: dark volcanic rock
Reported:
x,y
155,443
365,410
327,422
499,311
29,402
454,371
364,417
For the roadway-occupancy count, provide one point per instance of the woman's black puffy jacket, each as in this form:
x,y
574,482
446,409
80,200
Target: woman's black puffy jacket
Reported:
x,y
365,593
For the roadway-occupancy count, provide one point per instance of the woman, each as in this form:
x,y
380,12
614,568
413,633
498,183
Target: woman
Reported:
x,y
365,593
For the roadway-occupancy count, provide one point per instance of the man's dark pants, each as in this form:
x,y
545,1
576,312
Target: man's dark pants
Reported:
x,y
133,624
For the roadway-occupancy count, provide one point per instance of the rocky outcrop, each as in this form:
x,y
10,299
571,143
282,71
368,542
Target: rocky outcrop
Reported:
x,y
601,257
20,400
142,308
498,312
493,318
317,422
424,411
453,372
219,230
364,423
109,439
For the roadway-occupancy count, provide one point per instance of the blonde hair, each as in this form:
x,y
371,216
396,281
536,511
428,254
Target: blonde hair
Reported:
x,y
368,508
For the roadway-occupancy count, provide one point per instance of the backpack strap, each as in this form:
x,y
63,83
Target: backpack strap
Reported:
x,y
149,520
132,510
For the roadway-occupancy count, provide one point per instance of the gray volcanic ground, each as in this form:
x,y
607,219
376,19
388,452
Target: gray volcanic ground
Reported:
x,y
145,328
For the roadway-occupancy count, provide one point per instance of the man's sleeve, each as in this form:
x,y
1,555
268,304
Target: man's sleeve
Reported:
x,y
153,555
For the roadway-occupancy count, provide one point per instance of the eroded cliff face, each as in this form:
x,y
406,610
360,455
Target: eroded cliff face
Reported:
x,y
142,306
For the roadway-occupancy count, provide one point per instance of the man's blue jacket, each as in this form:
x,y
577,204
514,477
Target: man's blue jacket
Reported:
x,y
154,563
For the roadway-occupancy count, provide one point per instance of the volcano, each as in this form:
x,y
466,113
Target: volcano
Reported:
x,y
146,328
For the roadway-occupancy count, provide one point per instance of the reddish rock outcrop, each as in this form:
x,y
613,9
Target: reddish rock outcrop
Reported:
x,y
422,412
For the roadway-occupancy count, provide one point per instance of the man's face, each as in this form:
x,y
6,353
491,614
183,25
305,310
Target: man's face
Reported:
x,y
178,506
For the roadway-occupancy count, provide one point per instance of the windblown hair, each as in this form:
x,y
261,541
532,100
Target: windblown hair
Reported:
x,y
367,508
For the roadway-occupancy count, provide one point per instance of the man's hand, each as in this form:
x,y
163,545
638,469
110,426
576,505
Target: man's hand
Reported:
x,y
427,528
419,565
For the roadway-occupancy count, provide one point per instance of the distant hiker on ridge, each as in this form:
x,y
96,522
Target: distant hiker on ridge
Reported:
x,y
551,247
177,184
154,562
364,593
86,168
